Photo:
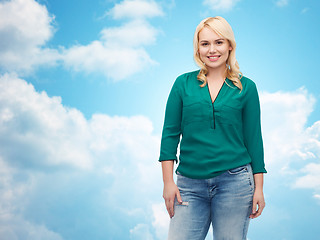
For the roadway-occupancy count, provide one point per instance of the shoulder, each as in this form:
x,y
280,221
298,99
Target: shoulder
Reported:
x,y
248,85
187,76
185,79
249,88
247,82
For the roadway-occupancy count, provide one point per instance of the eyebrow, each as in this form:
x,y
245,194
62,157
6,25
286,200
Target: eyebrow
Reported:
x,y
219,39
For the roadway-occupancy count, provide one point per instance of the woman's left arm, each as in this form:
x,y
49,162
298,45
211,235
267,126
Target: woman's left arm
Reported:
x,y
251,120
258,198
254,144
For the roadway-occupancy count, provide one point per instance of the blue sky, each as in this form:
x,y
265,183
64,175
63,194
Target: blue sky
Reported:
x,y
83,87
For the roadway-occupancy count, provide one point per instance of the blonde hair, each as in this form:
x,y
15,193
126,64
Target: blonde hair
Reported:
x,y
220,26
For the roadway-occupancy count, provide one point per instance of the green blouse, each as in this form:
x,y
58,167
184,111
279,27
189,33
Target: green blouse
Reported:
x,y
214,137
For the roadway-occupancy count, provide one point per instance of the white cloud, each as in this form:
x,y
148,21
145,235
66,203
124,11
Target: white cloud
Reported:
x,y
292,150
25,27
141,232
118,54
312,177
311,172
136,9
40,127
58,161
284,118
16,228
127,34
161,220
220,5
13,188
282,3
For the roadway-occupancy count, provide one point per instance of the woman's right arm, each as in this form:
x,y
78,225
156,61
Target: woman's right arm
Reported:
x,y
169,142
170,189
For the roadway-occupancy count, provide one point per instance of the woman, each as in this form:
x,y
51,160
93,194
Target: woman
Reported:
x,y
215,112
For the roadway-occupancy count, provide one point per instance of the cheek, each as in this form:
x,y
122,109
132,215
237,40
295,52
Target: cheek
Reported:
x,y
225,51
202,53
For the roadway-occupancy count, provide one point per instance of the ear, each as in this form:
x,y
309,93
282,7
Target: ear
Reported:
x,y
230,48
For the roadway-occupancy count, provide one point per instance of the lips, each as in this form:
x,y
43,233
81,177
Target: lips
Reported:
x,y
213,58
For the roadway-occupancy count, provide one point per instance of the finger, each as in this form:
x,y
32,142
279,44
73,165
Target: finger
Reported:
x,y
253,215
258,213
170,208
179,199
260,209
254,207
167,202
254,210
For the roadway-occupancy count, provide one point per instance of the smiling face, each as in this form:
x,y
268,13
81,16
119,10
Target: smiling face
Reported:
x,y
213,49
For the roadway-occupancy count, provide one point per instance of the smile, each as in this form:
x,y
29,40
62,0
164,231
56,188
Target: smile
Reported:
x,y
214,58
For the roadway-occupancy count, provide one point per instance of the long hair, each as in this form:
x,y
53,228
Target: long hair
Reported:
x,y
220,26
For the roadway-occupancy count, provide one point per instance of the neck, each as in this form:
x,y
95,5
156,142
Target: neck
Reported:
x,y
216,74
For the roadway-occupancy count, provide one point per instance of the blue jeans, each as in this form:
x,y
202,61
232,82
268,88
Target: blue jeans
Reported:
x,y
224,201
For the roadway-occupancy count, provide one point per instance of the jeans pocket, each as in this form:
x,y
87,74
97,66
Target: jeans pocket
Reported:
x,y
238,170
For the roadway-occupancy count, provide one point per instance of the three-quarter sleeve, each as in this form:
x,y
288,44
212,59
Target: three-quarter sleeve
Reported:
x,y
172,125
252,128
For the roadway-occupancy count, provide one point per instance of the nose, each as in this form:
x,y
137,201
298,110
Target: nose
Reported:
x,y
212,48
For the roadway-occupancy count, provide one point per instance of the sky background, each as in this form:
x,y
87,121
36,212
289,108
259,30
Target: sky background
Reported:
x,y
83,88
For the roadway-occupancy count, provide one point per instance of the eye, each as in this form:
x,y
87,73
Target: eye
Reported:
x,y
219,42
204,44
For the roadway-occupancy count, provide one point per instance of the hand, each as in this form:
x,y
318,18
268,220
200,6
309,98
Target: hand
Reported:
x,y
170,192
258,200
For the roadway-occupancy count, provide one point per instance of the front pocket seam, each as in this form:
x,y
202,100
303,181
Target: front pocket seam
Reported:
x,y
244,169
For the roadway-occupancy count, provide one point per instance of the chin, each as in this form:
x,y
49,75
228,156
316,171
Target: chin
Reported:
x,y
214,66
